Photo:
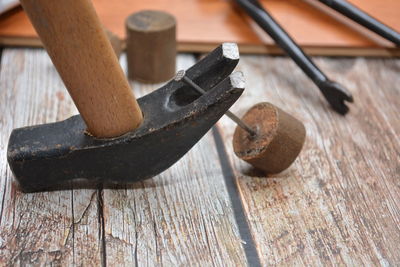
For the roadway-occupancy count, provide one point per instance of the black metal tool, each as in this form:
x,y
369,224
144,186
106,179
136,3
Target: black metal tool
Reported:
x,y
363,19
175,118
333,92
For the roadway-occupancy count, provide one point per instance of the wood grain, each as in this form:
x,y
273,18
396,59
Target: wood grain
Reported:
x,y
182,216
54,228
205,24
339,203
83,56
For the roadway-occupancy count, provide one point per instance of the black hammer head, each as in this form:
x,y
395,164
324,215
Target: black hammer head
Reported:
x,y
175,119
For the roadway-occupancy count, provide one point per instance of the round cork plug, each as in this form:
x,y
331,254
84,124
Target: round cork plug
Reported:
x,y
279,140
151,46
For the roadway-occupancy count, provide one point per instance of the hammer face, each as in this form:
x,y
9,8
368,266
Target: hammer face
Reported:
x,y
43,157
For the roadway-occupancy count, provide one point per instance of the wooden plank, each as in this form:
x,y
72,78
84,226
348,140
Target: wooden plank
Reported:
x,y
182,216
52,228
202,24
339,203
244,48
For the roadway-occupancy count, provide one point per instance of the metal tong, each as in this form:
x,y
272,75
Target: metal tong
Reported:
x,y
362,18
333,92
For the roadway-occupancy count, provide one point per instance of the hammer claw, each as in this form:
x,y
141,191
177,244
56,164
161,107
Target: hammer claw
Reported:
x,y
47,156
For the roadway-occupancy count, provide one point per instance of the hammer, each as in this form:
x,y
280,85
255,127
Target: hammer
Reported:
x,y
116,138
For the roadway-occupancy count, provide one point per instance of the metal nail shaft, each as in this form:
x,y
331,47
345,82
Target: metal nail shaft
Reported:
x,y
180,76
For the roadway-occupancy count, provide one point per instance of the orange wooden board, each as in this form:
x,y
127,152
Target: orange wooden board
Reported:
x,y
203,24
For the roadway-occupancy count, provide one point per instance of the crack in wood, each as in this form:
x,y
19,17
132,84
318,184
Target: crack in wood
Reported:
x,y
237,206
102,238
338,204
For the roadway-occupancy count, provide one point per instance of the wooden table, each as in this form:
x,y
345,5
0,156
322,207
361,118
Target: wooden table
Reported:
x,y
337,205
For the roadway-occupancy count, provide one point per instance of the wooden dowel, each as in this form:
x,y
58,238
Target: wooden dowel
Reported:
x,y
151,46
279,140
78,46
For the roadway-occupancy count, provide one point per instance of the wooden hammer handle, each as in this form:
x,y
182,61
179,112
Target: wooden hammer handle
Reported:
x,y
78,46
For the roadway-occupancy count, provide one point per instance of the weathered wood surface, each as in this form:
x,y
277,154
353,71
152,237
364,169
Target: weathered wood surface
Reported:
x,y
43,228
339,204
180,217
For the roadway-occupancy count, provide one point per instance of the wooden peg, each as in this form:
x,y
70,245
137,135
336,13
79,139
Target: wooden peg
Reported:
x,y
279,140
151,46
